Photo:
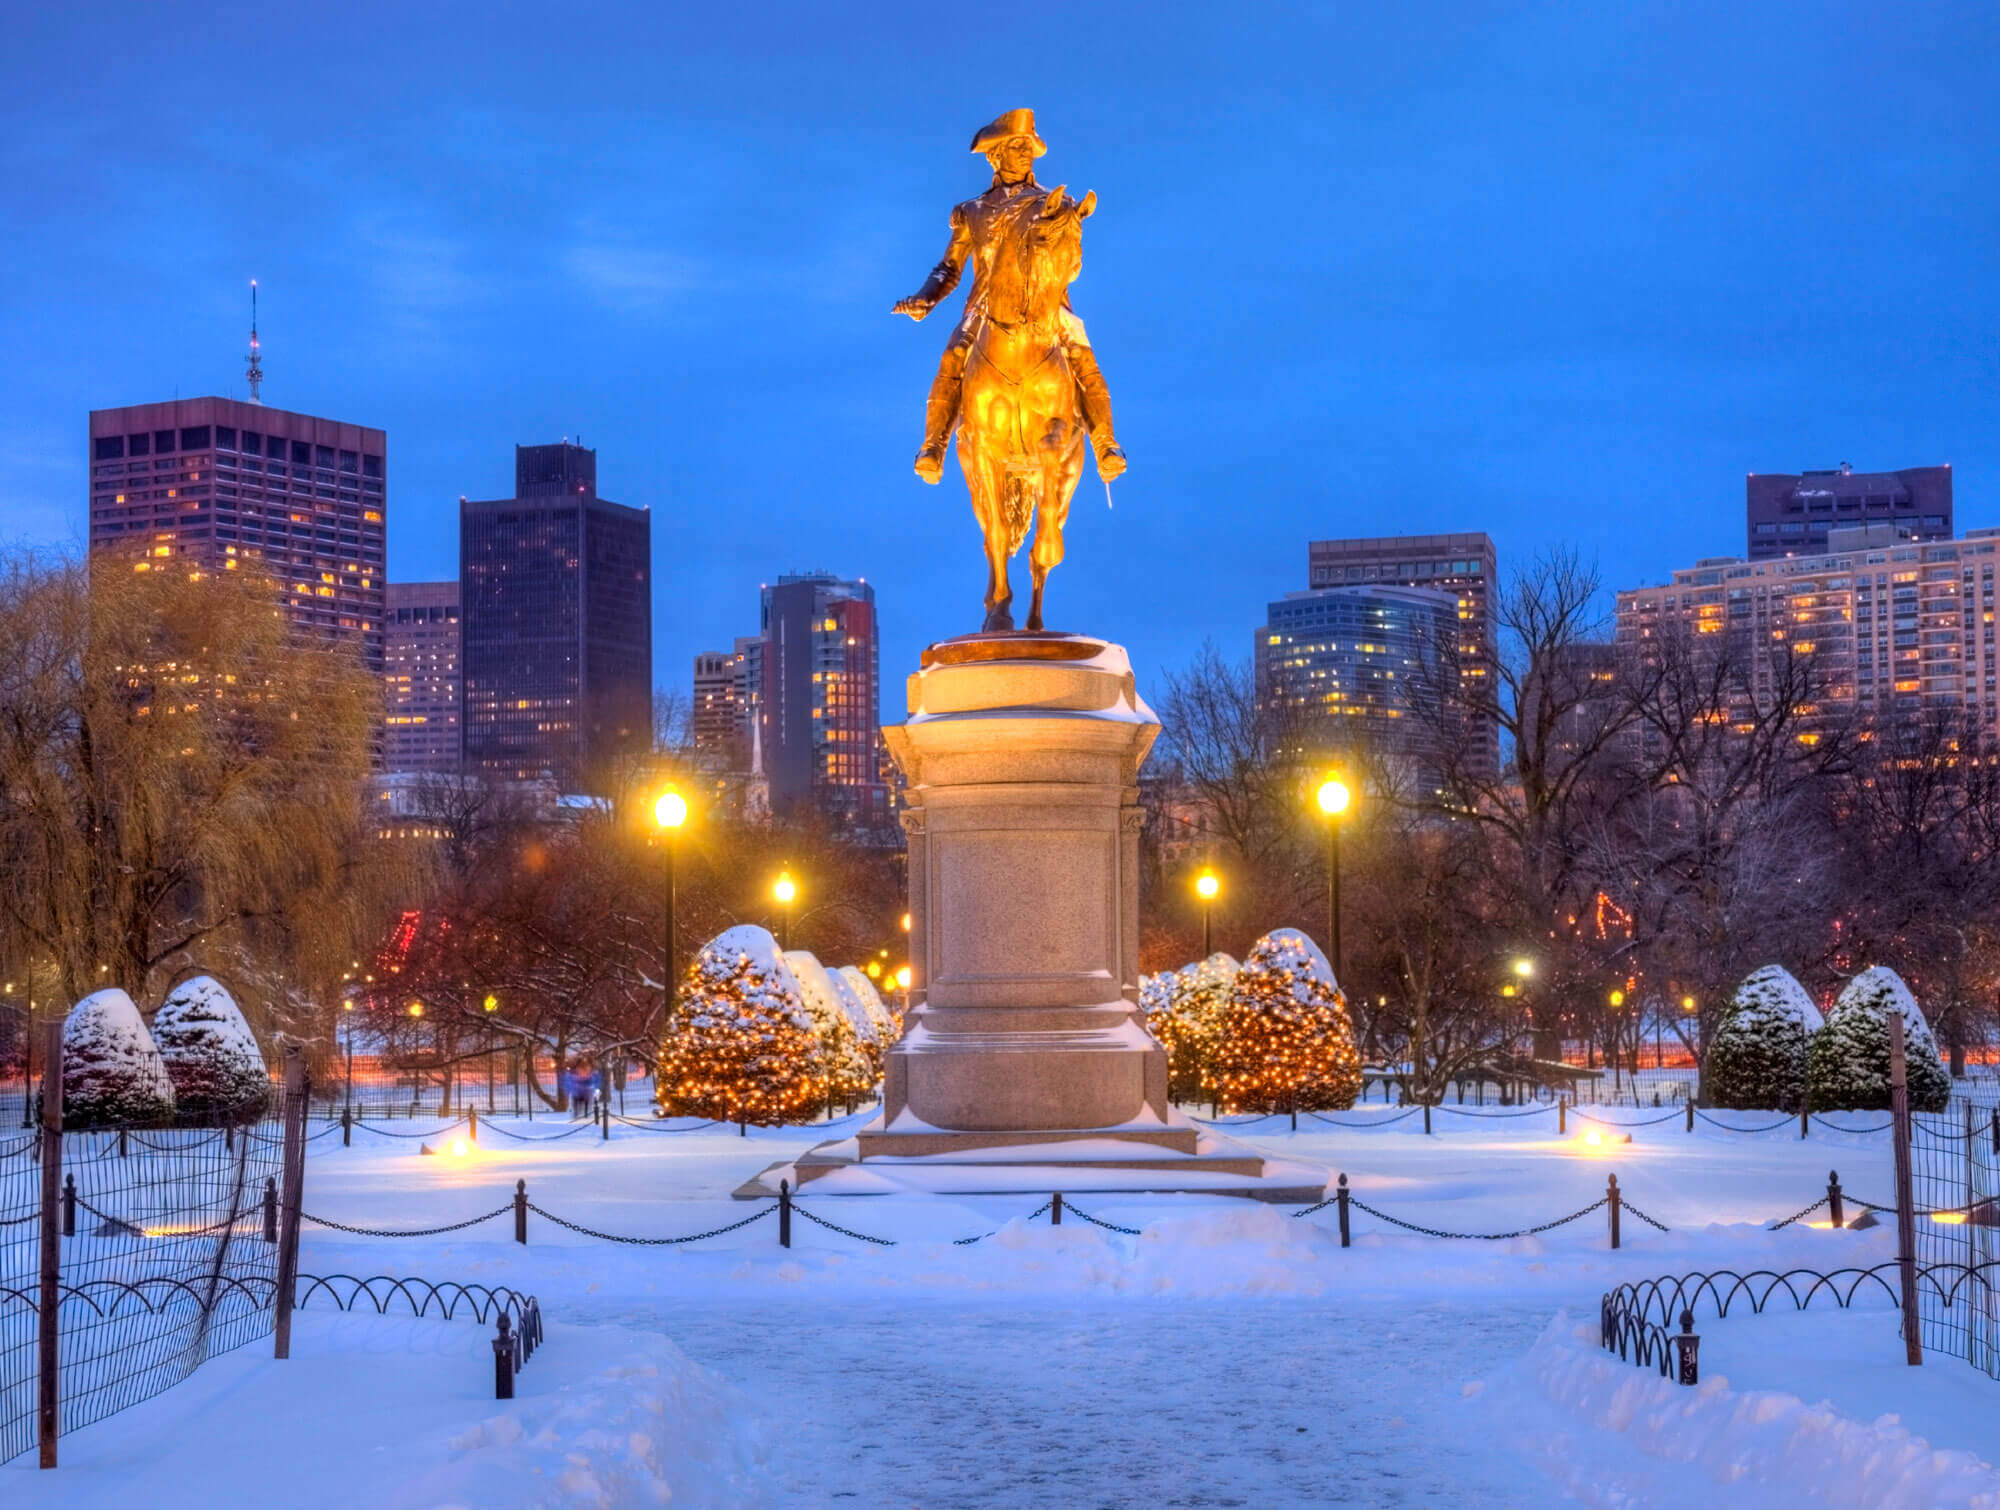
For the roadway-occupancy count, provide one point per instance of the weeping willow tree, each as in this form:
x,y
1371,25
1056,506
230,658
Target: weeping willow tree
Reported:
x,y
182,779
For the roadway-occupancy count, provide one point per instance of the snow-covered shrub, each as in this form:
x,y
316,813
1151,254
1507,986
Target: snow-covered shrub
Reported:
x,y
1758,1059
1184,1011
868,1031
210,1053
888,1026
740,1046
112,1071
1847,1067
844,1069
1285,1041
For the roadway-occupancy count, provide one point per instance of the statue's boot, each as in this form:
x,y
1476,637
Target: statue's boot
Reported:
x,y
940,413
1095,400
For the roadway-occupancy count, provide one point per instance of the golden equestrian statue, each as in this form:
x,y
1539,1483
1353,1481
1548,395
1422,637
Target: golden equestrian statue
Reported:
x,y
1018,378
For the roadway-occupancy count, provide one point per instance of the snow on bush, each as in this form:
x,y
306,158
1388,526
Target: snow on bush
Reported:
x,y
1184,1011
1847,1067
843,1062
1758,1059
888,1027
1285,1041
740,1045
210,1054
867,1031
112,1071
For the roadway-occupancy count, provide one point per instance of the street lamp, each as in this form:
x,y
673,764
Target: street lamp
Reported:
x,y
1207,886
669,813
786,891
1334,797
903,984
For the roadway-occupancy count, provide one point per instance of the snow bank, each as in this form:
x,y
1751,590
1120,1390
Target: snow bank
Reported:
x,y
1602,1428
652,1428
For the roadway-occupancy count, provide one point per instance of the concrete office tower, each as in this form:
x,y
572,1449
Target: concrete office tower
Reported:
x,y
1343,663
421,674
557,621
720,717
1794,514
816,689
218,481
1464,565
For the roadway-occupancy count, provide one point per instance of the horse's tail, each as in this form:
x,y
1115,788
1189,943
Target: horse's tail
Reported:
x,y
1018,507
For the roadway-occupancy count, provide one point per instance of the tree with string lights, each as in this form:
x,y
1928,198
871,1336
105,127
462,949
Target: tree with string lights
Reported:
x,y
1285,1042
1184,1010
740,1045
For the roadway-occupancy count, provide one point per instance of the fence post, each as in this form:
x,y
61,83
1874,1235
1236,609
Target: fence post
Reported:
x,y
48,1379
503,1360
1427,1117
69,1205
297,1091
1611,1195
1689,1346
1996,1129
1341,1193
121,1141
604,1119
1833,1206
1805,1114
1562,1115
1690,1113
784,1213
1906,1217
520,1211
1055,1209
347,1127
270,1210
472,1122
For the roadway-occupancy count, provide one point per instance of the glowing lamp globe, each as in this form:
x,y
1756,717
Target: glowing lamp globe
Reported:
x,y
671,810
903,976
784,891
1207,885
1334,796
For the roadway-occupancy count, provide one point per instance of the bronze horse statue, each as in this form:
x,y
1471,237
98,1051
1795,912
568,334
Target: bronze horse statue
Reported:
x,y
1021,429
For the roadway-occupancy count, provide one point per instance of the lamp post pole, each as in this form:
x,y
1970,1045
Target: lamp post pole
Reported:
x,y
1333,894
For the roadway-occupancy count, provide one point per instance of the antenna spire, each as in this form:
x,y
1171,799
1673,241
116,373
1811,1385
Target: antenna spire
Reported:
x,y
256,372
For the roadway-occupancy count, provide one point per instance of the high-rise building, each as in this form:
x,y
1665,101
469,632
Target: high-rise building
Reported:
x,y
1794,514
557,622
1463,565
222,482
1891,626
420,655
1348,661
720,718
815,689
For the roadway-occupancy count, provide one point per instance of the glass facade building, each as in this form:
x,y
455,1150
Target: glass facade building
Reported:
x,y
1344,660
816,696
557,624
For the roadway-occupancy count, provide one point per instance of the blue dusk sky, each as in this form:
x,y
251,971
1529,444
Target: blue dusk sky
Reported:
x,y
1564,273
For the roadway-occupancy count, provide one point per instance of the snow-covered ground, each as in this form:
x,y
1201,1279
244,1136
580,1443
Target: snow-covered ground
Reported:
x,y
1231,1354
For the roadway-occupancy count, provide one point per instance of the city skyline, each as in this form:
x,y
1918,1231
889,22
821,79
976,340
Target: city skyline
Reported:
x,y
1486,318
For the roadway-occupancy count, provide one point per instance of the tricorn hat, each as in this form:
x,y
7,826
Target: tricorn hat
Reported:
x,y
1012,123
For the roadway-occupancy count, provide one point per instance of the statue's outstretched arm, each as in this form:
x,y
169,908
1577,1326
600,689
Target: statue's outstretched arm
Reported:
x,y
944,277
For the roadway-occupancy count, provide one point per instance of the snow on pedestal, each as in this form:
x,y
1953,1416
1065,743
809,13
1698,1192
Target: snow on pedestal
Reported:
x,y
112,1070
210,1053
1847,1066
1758,1059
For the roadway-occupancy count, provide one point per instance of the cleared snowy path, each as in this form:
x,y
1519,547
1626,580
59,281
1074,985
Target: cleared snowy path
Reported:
x,y
1266,1402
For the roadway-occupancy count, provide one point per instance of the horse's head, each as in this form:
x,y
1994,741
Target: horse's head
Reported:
x,y
1055,249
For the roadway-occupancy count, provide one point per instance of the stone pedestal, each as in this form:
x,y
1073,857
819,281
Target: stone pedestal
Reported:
x,y
1022,755
1025,1056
